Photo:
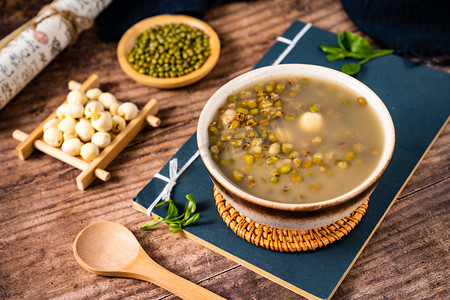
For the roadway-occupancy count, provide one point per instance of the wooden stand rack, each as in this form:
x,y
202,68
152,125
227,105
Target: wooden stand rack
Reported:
x,y
95,168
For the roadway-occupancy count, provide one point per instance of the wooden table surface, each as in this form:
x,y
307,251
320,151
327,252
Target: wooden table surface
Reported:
x,y
42,210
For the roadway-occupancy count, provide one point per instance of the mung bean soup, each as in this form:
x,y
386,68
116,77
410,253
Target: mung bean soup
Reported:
x,y
296,140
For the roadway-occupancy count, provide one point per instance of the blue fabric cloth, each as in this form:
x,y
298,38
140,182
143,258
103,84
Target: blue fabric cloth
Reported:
x,y
411,27
122,14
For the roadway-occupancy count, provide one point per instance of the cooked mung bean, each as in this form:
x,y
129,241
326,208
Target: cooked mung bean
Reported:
x,y
296,140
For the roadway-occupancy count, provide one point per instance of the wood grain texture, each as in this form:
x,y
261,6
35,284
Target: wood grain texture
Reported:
x,y
42,210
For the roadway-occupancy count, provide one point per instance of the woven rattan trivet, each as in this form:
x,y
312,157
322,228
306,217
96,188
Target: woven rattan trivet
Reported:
x,y
286,240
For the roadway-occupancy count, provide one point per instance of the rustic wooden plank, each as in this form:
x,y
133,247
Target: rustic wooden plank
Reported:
x,y
407,258
42,211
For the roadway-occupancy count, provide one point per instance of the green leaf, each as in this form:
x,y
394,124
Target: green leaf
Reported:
x,y
352,46
154,221
190,197
163,203
380,52
172,211
176,219
174,227
356,55
351,68
339,39
332,57
331,49
190,206
175,222
191,220
356,44
153,224
383,51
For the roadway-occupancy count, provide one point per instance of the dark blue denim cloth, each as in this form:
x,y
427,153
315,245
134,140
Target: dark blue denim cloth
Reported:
x,y
411,27
122,14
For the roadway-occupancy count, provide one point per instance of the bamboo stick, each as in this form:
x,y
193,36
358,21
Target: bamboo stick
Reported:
x,y
74,85
58,154
153,121
90,83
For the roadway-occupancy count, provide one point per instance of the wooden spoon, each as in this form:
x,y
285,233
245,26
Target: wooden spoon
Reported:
x,y
110,249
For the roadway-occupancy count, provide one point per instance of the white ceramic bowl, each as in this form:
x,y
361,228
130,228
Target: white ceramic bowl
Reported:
x,y
294,216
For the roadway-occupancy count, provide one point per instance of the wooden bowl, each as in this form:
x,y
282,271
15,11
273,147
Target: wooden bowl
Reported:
x,y
127,41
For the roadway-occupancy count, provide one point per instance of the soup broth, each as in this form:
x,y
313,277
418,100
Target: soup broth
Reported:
x,y
296,140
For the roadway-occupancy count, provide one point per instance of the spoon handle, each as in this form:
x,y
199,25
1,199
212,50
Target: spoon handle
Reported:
x,y
145,268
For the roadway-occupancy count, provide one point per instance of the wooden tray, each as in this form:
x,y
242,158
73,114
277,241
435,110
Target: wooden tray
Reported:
x,y
95,168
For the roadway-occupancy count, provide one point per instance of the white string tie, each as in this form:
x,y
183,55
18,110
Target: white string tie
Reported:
x,y
284,40
292,44
171,181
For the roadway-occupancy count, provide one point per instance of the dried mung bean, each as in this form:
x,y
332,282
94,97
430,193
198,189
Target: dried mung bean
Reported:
x,y
169,50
